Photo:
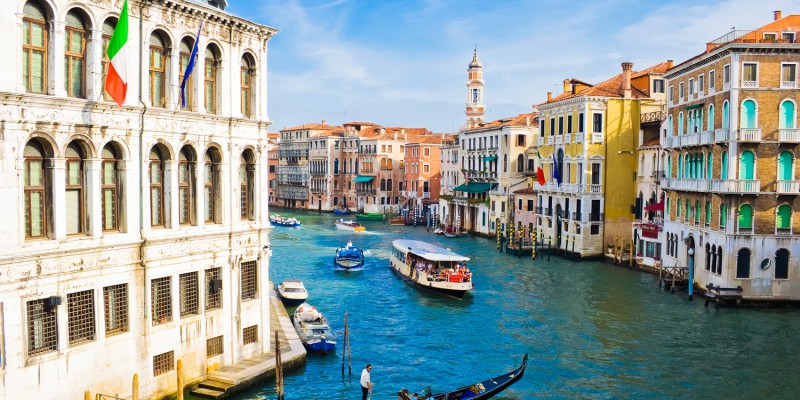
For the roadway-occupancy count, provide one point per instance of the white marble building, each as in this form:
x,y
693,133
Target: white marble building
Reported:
x,y
132,236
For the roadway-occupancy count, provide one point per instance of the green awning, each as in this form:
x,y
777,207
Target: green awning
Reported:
x,y
489,158
693,106
476,187
363,178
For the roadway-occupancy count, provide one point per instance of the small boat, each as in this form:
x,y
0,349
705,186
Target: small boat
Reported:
x,y
349,256
431,267
313,329
438,231
397,221
370,216
283,221
350,225
454,232
485,389
292,292
341,211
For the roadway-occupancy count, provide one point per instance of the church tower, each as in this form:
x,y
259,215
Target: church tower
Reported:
x,y
475,108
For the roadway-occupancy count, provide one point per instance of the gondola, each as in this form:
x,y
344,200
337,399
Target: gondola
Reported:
x,y
486,389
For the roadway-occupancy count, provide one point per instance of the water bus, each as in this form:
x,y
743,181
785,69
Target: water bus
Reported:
x,y
431,267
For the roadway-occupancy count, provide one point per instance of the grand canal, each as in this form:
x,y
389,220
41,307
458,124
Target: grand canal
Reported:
x,y
592,330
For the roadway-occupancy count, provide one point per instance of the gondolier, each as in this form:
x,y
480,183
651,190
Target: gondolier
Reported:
x,y
366,382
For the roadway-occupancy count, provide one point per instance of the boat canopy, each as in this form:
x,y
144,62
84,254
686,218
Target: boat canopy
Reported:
x,y
427,251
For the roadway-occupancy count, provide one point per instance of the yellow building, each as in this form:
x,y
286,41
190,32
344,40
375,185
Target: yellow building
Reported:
x,y
588,143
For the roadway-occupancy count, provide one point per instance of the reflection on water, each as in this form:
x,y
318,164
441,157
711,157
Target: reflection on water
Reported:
x,y
592,330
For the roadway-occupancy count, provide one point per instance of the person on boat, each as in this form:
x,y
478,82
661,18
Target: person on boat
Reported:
x,y
366,382
403,394
349,244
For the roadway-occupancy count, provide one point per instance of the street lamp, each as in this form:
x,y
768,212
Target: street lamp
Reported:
x,y
690,252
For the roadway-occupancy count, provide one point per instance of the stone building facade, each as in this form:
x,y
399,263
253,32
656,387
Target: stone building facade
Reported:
x,y
731,167
133,236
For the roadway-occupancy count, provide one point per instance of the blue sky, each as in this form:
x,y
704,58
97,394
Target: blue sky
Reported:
x,y
403,62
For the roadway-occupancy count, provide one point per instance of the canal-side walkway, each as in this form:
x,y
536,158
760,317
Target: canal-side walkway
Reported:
x,y
237,377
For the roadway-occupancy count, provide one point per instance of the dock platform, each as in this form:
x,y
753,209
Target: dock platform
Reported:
x,y
240,376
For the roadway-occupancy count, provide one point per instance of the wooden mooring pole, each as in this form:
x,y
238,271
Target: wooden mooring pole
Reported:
x,y
278,369
135,387
349,358
180,379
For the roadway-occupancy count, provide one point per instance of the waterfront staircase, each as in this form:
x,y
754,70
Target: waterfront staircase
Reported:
x,y
237,377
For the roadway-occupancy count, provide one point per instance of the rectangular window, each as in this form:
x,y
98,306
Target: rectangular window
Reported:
x,y
552,126
541,127
560,125
163,363
188,293
691,86
595,173
530,205
250,334
502,207
701,83
788,74
712,80
426,168
772,36
671,94
658,86
161,300
249,283
80,316
597,123
788,36
726,75
749,73
580,123
109,195
569,124
680,91
115,301
519,204
214,346
595,229
214,288
42,328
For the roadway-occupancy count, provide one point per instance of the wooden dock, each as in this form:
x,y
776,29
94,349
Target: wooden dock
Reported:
x,y
723,295
237,377
673,277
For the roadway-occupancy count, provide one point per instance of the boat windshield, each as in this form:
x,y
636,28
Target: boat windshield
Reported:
x,y
294,290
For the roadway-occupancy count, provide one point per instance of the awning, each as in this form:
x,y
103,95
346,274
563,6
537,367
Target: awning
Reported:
x,y
363,178
655,207
693,106
489,158
476,187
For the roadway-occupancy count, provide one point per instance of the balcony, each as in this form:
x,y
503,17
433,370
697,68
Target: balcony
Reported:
x,y
426,195
749,135
744,231
579,137
597,137
538,210
540,141
559,139
788,187
549,140
788,85
735,185
721,135
596,217
595,188
749,84
789,135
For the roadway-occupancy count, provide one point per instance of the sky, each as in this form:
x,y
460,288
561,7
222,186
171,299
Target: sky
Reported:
x,y
404,62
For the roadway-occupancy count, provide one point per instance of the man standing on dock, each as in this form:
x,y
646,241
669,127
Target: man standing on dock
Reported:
x,y
366,382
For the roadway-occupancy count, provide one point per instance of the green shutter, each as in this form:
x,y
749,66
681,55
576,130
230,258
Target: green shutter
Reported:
x,y
745,216
785,166
708,213
723,214
783,218
746,165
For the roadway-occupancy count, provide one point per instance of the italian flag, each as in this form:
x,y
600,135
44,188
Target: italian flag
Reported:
x,y
539,172
118,50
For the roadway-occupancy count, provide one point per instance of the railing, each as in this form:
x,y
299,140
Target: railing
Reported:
x,y
693,185
597,137
721,135
736,185
783,231
789,135
577,216
567,138
595,188
538,210
559,139
548,212
749,135
789,85
426,195
744,231
788,187
550,140
579,137
595,217
540,141
706,137
749,84
655,116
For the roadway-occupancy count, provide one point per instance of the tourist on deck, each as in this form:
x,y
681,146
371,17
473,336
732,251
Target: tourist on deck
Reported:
x,y
366,382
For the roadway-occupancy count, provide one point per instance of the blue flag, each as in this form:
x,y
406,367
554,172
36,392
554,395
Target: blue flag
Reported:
x,y
190,67
556,172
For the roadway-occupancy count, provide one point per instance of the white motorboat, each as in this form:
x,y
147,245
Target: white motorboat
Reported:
x,y
349,225
313,329
292,292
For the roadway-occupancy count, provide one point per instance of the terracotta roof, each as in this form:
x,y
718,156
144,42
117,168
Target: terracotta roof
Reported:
x,y
611,87
528,190
527,119
660,68
310,126
273,135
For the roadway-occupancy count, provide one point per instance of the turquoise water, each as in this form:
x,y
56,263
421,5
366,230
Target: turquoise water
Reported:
x,y
592,330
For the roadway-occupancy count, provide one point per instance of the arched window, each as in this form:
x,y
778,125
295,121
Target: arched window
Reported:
x,y
746,164
383,185
75,54
158,70
520,163
389,185
708,257
785,166
708,213
34,48
211,181
782,264
783,219
669,166
743,263
725,115
108,30
723,215
680,124
388,163
383,163
710,166
110,186
336,166
669,126
747,119
678,208
210,79
719,259
37,187
710,123
157,158
74,197
714,259
247,171
246,84
787,118
680,166
745,218
723,172
666,209
186,179
697,212
185,54
688,214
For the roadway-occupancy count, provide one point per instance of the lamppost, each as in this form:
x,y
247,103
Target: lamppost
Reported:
x,y
690,263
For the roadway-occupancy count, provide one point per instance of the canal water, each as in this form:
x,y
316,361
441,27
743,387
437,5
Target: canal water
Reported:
x,y
591,330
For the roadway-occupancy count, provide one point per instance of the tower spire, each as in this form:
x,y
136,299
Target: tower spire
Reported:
x,y
475,109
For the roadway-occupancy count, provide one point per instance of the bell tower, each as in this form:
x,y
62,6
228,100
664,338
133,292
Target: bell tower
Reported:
x,y
475,109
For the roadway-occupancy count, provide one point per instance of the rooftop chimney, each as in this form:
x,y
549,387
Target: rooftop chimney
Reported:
x,y
626,79
405,137
549,96
670,64
777,14
567,86
395,135
324,122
